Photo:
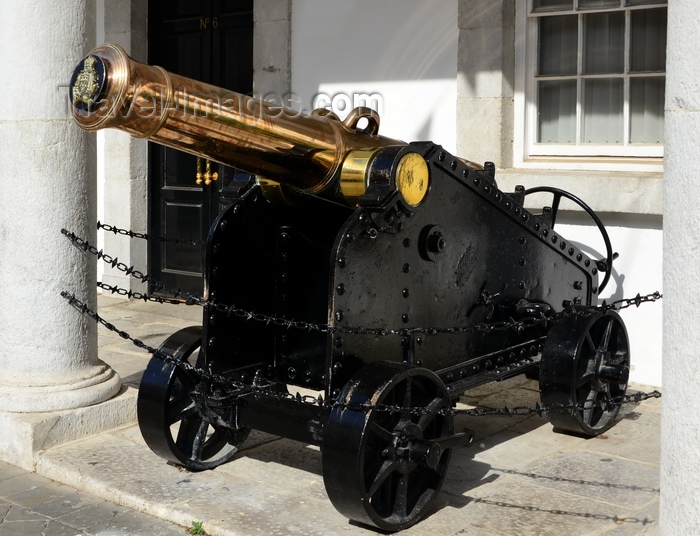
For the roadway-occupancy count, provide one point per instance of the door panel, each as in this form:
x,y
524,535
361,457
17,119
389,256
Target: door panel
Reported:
x,y
181,220
211,41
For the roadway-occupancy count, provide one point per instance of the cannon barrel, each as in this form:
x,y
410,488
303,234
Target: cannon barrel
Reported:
x,y
305,152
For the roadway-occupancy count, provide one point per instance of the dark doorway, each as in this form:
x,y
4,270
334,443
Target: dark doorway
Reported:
x,y
211,41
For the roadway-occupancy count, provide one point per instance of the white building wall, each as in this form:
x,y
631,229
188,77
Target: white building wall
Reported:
x,y
404,51
638,240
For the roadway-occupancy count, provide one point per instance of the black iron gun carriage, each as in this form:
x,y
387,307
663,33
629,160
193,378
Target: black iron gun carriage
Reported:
x,y
390,277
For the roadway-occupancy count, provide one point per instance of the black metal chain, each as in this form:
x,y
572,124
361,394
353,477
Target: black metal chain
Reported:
x,y
232,310
230,389
133,295
145,236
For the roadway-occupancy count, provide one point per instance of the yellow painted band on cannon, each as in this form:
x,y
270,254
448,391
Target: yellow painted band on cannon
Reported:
x,y
353,176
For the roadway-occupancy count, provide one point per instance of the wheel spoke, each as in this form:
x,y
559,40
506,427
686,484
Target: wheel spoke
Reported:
x,y
606,399
431,411
586,379
605,341
619,358
425,498
384,472
401,499
187,381
186,433
590,342
590,405
199,441
407,393
589,374
181,409
380,431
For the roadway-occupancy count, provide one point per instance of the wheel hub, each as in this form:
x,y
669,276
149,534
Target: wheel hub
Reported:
x,y
610,373
402,448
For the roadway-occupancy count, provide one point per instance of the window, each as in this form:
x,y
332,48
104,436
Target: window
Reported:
x,y
594,77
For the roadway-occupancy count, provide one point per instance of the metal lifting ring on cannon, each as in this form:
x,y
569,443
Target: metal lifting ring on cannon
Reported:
x,y
168,417
384,468
585,363
603,265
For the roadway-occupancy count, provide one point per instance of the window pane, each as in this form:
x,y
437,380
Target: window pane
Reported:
x,y
604,42
543,5
558,43
556,122
648,40
647,110
587,4
602,111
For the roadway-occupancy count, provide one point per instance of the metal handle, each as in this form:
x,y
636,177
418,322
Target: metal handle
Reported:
x,y
362,112
207,177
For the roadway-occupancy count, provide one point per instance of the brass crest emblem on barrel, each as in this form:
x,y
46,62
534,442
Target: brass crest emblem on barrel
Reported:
x,y
86,83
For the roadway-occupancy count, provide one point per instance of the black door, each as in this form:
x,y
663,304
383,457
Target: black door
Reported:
x,y
211,41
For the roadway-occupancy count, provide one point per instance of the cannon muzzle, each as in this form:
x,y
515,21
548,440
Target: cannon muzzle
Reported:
x,y
315,154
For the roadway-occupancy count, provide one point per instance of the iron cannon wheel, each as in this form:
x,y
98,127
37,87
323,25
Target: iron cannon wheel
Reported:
x,y
168,419
376,467
585,362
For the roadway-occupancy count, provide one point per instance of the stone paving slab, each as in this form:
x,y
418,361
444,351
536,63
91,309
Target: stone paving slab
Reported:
x,y
31,505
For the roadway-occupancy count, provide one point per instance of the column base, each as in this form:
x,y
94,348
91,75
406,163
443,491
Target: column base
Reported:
x,y
99,384
24,435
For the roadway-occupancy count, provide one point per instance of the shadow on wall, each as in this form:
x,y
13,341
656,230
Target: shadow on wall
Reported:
x,y
402,51
372,41
482,44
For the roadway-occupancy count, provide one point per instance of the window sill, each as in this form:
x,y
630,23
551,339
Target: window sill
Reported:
x,y
598,163
629,192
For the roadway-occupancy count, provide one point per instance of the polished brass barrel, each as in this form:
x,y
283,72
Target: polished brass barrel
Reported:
x,y
306,152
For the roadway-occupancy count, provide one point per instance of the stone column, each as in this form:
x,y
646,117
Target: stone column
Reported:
x,y
680,433
48,354
125,157
485,81
272,50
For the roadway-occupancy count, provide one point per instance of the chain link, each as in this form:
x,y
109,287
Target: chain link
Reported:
x,y
145,236
133,295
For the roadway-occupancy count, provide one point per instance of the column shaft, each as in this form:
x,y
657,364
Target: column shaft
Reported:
x,y
48,356
680,434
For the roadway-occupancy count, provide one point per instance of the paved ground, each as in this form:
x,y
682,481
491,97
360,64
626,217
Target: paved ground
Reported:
x,y
32,505
518,478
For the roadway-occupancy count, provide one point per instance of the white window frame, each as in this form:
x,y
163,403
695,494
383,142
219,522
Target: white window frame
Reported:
x,y
529,154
